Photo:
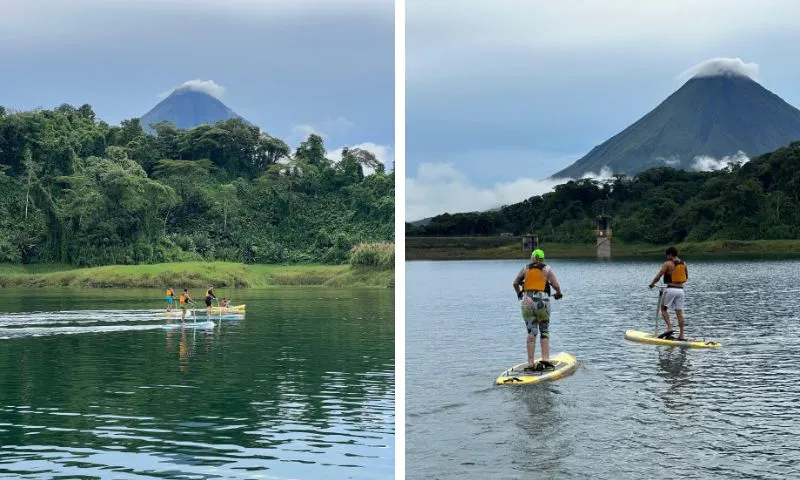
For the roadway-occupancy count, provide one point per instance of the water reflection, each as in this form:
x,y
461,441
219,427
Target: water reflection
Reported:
x,y
304,389
538,422
187,343
637,411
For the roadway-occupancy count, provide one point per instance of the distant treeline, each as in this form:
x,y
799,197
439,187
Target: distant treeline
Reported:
x,y
759,200
77,190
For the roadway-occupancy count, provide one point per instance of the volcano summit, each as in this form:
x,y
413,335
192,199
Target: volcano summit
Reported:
x,y
720,111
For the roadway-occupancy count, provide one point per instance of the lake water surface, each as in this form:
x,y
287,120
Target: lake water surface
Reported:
x,y
93,386
631,411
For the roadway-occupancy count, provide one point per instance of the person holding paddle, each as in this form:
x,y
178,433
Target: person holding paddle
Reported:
x,y
675,274
536,279
184,300
170,297
209,296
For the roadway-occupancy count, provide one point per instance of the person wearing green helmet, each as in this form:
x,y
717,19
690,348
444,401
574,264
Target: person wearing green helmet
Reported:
x,y
532,286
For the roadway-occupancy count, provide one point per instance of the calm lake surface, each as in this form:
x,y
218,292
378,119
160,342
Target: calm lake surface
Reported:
x,y
631,411
93,386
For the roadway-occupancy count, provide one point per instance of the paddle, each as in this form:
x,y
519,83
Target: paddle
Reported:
x,y
658,309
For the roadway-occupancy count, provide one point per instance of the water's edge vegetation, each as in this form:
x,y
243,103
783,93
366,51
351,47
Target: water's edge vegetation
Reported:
x,y
200,275
488,248
748,203
371,266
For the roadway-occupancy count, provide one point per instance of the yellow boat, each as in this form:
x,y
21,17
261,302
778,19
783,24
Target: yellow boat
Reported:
x,y
644,337
565,364
228,309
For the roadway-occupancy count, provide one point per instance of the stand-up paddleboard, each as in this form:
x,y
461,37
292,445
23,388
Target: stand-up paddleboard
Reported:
x,y
208,324
202,314
644,337
654,339
564,364
228,309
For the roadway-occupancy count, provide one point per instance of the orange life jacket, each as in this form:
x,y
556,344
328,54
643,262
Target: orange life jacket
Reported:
x,y
535,280
678,274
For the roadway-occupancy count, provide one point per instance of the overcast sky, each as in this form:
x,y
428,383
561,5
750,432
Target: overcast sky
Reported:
x,y
288,66
500,95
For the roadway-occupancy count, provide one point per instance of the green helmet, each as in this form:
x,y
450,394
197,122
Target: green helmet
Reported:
x,y
538,253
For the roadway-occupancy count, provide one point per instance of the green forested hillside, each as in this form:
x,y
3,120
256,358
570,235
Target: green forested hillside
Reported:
x,y
76,190
759,200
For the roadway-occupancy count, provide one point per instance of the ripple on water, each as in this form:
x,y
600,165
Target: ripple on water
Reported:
x,y
121,397
630,411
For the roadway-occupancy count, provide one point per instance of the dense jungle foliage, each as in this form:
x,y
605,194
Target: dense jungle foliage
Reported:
x,y
76,190
759,200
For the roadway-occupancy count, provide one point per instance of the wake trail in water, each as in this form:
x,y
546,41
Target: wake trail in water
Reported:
x,y
36,324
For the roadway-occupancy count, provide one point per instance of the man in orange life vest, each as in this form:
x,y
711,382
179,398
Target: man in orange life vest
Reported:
x,y
536,278
675,275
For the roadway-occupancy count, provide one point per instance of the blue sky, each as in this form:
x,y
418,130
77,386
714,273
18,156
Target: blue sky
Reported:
x,y
501,95
289,66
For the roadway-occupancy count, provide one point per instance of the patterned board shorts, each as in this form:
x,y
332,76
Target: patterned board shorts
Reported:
x,y
536,313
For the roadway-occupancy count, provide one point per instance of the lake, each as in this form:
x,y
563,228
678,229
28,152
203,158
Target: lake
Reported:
x,y
631,410
93,386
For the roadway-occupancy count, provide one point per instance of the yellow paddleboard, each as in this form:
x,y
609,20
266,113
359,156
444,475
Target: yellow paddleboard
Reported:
x,y
643,337
565,364
228,309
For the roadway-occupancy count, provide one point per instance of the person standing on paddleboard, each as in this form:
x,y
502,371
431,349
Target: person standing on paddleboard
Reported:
x,y
675,274
184,300
170,297
536,279
209,296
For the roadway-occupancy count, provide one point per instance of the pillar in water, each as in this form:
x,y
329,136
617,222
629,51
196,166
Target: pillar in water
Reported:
x,y
603,235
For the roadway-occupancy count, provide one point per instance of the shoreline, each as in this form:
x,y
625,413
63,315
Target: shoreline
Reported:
x,y
510,248
195,275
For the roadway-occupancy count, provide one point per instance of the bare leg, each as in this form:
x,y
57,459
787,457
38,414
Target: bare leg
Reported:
x,y
679,314
531,349
545,348
665,314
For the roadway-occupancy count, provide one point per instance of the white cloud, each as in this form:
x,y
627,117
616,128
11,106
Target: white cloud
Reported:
x,y
605,174
383,153
206,86
330,128
671,161
441,188
706,163
720,66
304,130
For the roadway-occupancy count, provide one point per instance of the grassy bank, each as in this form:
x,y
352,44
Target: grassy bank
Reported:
x,y
486,248
196,275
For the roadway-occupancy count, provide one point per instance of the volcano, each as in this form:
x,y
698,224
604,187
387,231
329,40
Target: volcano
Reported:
x,y
187,108
710,115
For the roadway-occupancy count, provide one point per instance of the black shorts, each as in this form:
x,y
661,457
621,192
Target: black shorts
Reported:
x,y
208,301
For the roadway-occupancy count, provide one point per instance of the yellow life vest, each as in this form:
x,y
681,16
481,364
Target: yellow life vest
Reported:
x,y
535,280
183,298
678,274
170,292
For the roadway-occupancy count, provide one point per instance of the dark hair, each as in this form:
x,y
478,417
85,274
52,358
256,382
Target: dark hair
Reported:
x,y
672,251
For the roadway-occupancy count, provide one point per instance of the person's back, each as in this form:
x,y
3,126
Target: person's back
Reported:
x,y
675,273
536,279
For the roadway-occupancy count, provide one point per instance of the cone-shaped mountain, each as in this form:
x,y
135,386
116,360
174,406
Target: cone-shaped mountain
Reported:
x,y
708,116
